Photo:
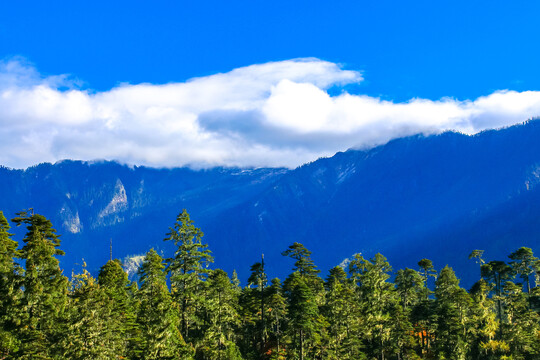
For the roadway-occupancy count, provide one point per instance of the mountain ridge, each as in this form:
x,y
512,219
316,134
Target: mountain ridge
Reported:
x,y
408,199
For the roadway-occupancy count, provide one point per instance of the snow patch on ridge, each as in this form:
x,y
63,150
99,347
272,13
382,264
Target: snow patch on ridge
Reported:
x,y
118,203
72,222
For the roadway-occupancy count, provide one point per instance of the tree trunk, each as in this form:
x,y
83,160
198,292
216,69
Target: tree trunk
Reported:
x,y
301,345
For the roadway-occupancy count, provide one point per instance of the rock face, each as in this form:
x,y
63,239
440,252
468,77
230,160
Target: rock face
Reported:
x,y
436,197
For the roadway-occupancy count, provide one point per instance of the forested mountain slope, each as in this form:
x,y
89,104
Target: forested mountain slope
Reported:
x,y
436,197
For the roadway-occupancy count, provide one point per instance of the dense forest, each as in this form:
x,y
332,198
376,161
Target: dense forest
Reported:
x,y
182,308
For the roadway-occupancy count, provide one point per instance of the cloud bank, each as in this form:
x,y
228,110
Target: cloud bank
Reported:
x,y
273,114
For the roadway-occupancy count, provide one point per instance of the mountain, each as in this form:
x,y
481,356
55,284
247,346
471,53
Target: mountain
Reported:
x,y
436,197
92,203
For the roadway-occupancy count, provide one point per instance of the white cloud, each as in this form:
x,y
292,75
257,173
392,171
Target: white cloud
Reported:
x,y
273,114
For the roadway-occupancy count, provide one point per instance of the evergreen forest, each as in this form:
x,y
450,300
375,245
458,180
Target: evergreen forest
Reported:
x,y
182,307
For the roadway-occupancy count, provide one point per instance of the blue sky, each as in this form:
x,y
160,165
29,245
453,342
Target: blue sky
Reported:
x,y
394,51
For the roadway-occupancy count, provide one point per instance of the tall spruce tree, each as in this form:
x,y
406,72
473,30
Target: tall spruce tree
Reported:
x,y
45,289
122,321
410,287
277,315
375,299
523,263
497,272
90,322
219,341
522,327
158,317
484,324
189,270
10,293
423,312
341,312
259,279
410,290
452,304
303,313
303,264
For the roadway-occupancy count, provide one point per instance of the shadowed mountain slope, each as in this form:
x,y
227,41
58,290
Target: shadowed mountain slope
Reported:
x,y
438,197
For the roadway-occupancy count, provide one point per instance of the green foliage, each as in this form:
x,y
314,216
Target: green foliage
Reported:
x,y
189,269
122,321
303,314
10,277
45,289
451,307
90,332
222,319
341,312
158,315
359,314
303,264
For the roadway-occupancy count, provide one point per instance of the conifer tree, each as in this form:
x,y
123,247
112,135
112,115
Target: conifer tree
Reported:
x,y
306,268
188,271
158,317
452,304
10,293
410,287
410,290
522,331
427,271
304,322
258,278
45,289
277,314
122,321
341,312
423,312
485,325
303,264
376,297
523,264
219,340
90,322
497,272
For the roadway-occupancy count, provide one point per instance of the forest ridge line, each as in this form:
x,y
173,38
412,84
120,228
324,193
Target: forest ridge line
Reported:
x,y
205,314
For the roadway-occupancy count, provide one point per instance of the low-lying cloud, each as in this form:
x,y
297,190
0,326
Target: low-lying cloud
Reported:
x,y
273,114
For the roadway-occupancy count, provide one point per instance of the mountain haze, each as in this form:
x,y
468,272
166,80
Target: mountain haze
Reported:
x,y
437,196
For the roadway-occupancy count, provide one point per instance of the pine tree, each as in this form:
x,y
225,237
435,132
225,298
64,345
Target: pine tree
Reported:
x,y
341,312
90,322
451,304
303,264
188,271
277,314
522,331
427,271
304,321
523,265
122,321
375,298
410,289
423,312
45,289
222,318
497,272
484,324
158,317
258,278
10,293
